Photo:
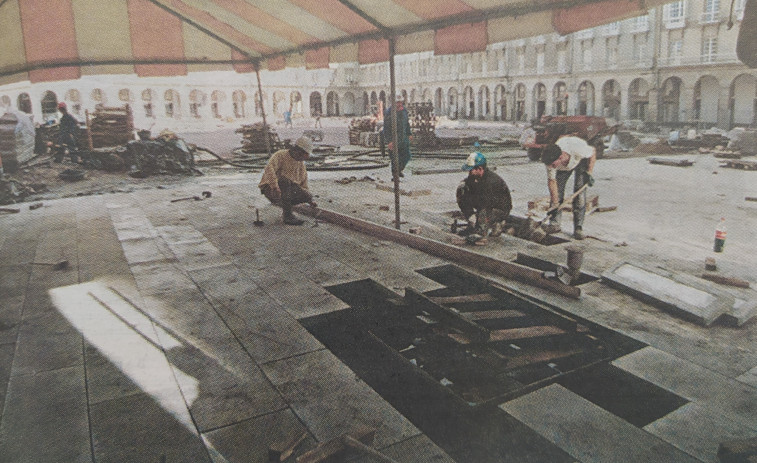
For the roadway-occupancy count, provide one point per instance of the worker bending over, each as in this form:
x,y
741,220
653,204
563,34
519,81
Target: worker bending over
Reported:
x,y
483,198
285,179
68,130
570,154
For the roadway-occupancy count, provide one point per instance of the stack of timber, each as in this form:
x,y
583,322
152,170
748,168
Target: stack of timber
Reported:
x,y
422,125
254,138
359,126
110,126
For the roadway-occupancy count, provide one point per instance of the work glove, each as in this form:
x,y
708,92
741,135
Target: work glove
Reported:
x,y
590,180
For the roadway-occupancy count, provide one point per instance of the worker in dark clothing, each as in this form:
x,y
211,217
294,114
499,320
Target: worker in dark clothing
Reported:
x,y
403,136
285,179
68,130
484,198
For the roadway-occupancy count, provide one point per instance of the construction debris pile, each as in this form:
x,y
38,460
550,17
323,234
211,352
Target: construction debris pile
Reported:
x,y
16,140
256,138
110,126
165,155
422,124
13,191
362,132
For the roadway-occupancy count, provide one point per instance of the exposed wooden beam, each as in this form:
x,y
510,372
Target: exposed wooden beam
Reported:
x,y
446,251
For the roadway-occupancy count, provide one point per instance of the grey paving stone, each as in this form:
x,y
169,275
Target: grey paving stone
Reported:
x,y
699,430
140,429
144,250
46,342
6,361
14,278
45,418
750,377
160,277
298,296
248,441
417,449
104,380
586,431
735,400
10,318
330,399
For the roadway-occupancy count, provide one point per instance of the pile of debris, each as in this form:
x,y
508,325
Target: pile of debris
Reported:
x,y
164,155
13,191
110,126
257,138
422,125
360,126
16,140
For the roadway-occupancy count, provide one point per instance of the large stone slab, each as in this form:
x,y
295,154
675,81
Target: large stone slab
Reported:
x,y
586,431
684,297
45,418
734,400
698,430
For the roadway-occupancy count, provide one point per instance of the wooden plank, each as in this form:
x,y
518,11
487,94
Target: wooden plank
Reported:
x,y
514,334
671,162
542,356
724,280
451,317
493,314
486,297
445,251
336,445
410,193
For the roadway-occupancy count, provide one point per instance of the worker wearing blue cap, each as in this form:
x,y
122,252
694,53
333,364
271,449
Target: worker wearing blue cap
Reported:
x,y
483,198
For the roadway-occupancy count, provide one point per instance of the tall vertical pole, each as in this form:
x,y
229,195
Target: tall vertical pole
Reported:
x,y
262,110
395,139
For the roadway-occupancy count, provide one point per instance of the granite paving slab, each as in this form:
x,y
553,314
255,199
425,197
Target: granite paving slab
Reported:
x,y
735,400
45,418
330,399
46,342
586,431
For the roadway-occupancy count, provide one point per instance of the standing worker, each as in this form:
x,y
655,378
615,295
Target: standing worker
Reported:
x,y
68,130
403,136
483,198
285,179
568,155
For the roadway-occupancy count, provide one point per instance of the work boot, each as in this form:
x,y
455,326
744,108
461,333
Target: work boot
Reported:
x,y
291,219
578,234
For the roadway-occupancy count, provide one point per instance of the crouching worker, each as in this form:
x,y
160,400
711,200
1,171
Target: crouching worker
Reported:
x,y
483,198
285,179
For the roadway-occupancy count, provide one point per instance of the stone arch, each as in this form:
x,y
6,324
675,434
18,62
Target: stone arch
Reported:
x,y
469,103
412,96
611,99
255,101
439,101
5,101
638,99
382,99
217,98
125,95
540,100
500,103
279,103
452,100
560,99
197,100
49,105
332,104
427,98
484,102
24,103
585,98
366,104
670,100
172,104
239,103
73,98
743,101
403,95
148,95
98,97
705,104
295,102
520,103
348,104
316,104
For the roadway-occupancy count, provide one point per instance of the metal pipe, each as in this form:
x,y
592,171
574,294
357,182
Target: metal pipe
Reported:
x,y
394,153
262,110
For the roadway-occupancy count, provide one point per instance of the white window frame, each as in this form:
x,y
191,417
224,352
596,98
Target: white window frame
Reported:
x,y
709,50
674,14
711,12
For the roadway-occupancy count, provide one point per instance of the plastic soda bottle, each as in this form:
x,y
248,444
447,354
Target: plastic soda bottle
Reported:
x,y
720,236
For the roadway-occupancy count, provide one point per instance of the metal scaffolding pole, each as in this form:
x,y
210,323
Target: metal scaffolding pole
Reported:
x,y
394,153
262,110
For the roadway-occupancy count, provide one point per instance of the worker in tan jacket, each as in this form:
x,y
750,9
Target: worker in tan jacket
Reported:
x,y
285,179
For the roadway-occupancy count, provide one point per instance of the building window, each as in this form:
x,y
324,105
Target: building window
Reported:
x,y
562,59
640,49
611,51
674,14
639,24
711,11
675,52
709,49
540,60
521,55
586,54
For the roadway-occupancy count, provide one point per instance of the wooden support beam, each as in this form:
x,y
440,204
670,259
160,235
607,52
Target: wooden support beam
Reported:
x,y
472,330
493,314
445,251
542,356
530,332
335,446
486,297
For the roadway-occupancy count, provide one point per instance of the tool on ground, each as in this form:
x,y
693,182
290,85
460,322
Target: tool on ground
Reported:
x,y
11,210
564,203
196,198
358,440
258,222
283,450
64,264
35,206
207,194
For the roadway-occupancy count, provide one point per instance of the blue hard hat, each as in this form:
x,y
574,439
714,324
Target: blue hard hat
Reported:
x,y
474,160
